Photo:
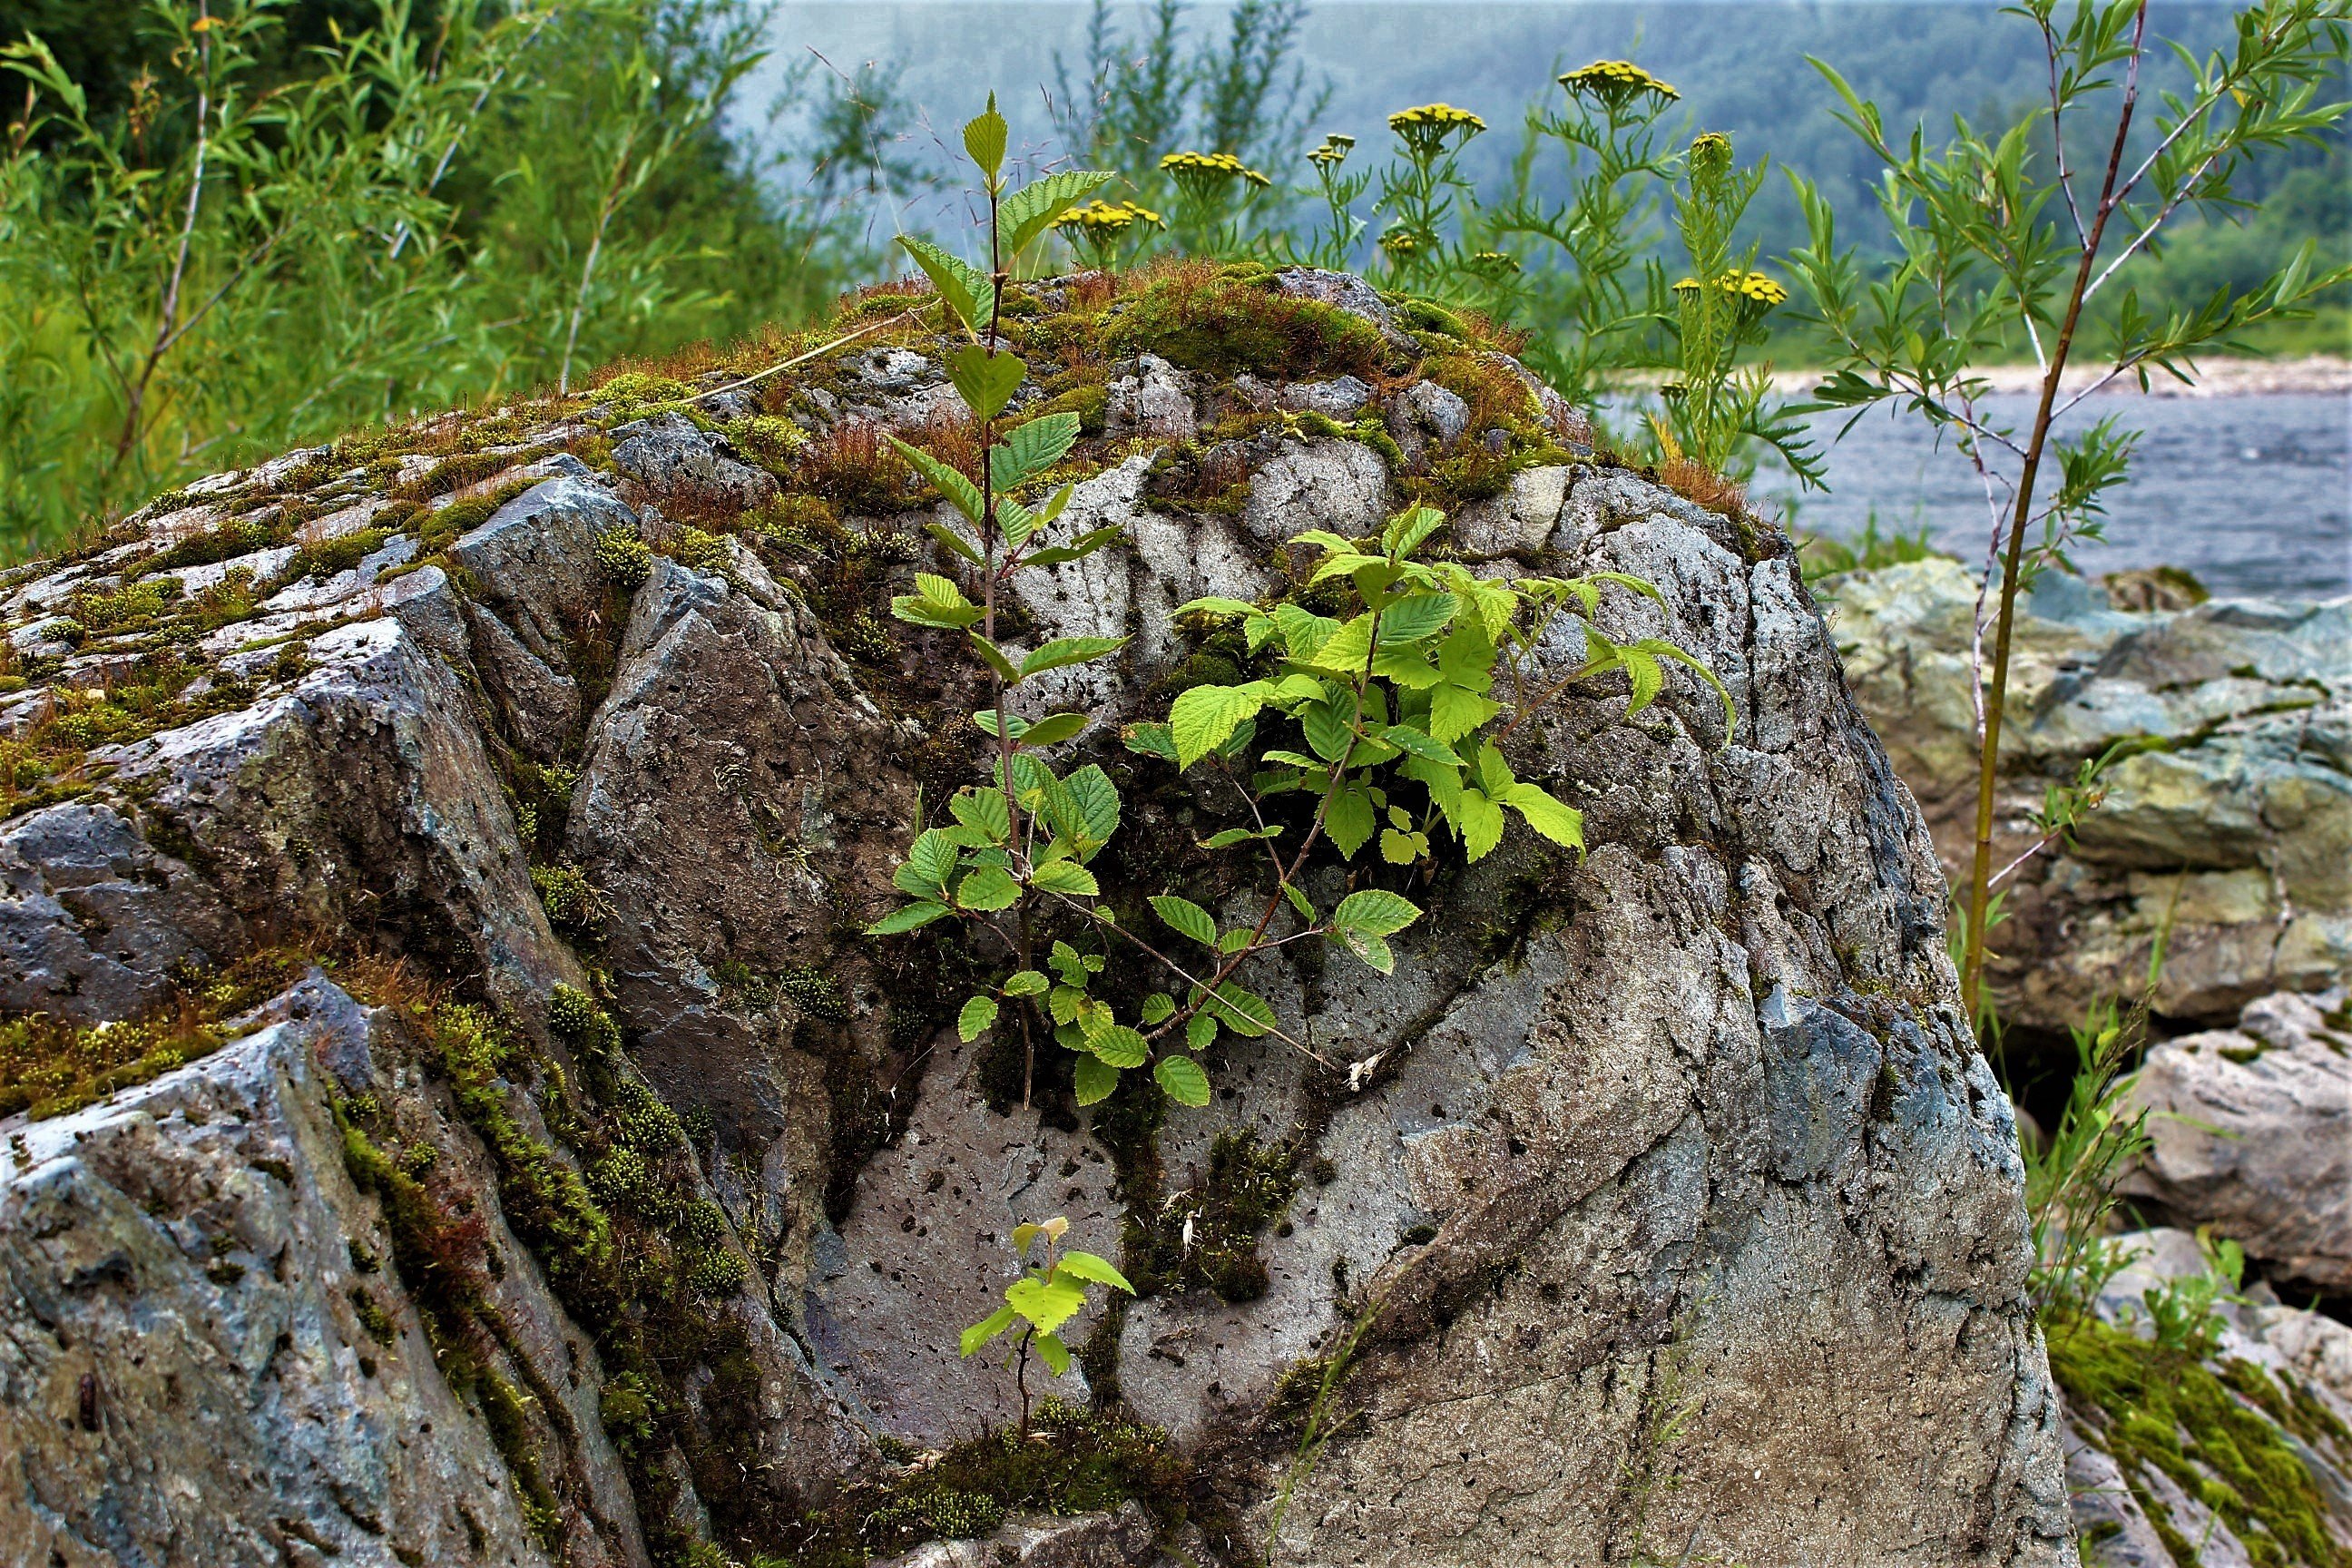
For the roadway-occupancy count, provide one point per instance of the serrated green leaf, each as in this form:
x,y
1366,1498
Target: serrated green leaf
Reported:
x,y
1029,449
955,542
1045,1303
1400,848
1086,1265
1031,210
1422,615
1062,651
1300,902
1088,808
1158,1008
986,382
1414,743
1052,730
1065,876
960,492
930,859
1345,651
1185,918
1350,821
1200,1031
1204,718
1644,676
1093,1080
1212,606
965,288
907,917
1182,1079
984,137
1025,982
987,890
978,1015
982,810
1242,1010
1119,1046
1377,911
1373,950
1561,823
1329,727
1455,711
1152,740
992,657
1479,820
1052,1352
976,1337
1225,837
1411,671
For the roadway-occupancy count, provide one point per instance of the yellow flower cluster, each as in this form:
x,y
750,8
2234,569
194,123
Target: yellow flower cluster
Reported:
x,y
1333,153
1212,166
1108,218
1430,124
1617,82
1399,242
1753,288
1494,261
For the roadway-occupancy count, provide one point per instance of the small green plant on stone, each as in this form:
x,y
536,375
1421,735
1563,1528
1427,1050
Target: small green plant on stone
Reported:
x,y
1050,1292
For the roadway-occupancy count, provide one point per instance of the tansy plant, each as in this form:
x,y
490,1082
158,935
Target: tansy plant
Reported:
x,y
1052,1291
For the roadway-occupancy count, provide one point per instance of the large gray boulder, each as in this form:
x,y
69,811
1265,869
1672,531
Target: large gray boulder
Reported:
x,y
1670,1211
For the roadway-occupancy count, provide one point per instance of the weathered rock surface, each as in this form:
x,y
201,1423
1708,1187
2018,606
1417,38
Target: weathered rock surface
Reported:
x,y
2227,816
1676,1208
2252,1135
194,1369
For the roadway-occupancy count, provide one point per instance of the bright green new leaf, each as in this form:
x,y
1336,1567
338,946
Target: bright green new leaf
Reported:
x,y
985,381
1560,822
966,289
978,1015
1204,718
1054,729
1226,837
1063,651
1065,876
988,1328
1422,615
1479,821
1031,449
1329,727
1213,606
987,888
931,859
960,492
1119,1046
1349,822
907,918
1046,1303
1086,1265
1410,669
1052,1352
1400,848
1414,743
983,138
1028,212
1377,911
1186,918
1455,711
1345,651
1303,631
1025,982
1182,1079
1092,1079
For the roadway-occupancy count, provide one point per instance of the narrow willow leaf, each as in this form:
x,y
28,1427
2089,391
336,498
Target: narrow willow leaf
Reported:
x,y
976,1337
1186,918
907,918
978,1015
985,381
1182,1079
1093,1080
1377,911
1225,838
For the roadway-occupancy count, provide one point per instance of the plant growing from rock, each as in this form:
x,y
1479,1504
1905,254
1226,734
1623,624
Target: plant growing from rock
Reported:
x,y
1050,1292
1997,249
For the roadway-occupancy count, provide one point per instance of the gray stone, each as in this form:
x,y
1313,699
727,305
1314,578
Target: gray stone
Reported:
x,y
1121,1539
676,459
1152,401
2253,1134
93,921
1341,398
1347,292
1520,522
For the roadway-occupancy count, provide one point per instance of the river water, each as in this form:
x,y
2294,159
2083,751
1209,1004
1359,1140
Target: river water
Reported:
x,y
2252,493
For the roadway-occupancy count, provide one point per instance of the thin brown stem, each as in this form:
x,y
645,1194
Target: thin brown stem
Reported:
x,y
136,402
1988,755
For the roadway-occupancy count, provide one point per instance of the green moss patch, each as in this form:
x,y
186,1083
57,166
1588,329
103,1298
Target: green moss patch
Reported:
x,y
2155,1409
1226,324
1206,1238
